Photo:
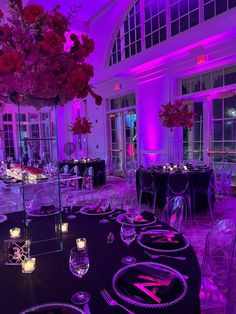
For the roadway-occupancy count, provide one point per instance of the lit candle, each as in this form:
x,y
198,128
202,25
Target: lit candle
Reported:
x,y
15,233
81,243
64,227
185,168
171,168
164,167
175,166
28,265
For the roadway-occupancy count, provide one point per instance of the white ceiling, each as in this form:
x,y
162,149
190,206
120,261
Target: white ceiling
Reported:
x,y
89,8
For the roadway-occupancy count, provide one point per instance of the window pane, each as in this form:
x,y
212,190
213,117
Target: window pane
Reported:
x,y
195,83
230,107
217,78
230,130
185,86
174,12
230,145
206,81
232,3
185,134
175,28
221,6
217,109
184,23
193,4
209,10
217,131
194,18
163,33
217,145
183,7
155,38
148,41
230,75
198,111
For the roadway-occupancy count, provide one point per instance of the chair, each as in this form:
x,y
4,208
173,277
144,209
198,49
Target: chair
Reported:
x,y
87,180
130,173
216,267
65,169
175,212
147,186
178,185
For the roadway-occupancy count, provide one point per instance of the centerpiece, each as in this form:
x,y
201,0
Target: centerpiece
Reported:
x,y
42,64
39,63
81,127
174,115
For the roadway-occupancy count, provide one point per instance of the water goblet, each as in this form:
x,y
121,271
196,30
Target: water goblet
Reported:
x,y
104,202
128,234
132,208
79,265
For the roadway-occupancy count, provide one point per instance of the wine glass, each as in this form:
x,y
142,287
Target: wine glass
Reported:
x,y
131,207
71,201
104,202
79,265
128,234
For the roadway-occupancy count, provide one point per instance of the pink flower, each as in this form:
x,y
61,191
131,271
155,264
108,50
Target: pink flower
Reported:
x,y
32,12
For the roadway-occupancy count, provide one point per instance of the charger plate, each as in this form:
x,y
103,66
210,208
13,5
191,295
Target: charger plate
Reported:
x,y
53,308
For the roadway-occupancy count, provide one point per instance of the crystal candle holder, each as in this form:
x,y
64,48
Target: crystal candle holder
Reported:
x,y
14,233
81,243
28,265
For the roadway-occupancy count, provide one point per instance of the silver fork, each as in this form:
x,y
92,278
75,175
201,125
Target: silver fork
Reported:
x,y
112,302
181,258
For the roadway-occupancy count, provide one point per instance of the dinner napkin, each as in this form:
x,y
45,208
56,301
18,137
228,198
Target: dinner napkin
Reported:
x,y
163,240
142,218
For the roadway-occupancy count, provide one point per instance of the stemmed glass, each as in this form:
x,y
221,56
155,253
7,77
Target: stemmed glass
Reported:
x,y
71,201
132,208
28,207
104,202
128,234
79,265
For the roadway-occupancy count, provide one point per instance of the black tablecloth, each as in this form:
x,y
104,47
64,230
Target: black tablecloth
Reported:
x,y
52,280
98,166
198,186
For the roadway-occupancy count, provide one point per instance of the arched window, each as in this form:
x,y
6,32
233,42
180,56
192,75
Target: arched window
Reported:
x,y
150,22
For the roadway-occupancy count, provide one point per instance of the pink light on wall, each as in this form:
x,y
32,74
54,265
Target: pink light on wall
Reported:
x,y
130,150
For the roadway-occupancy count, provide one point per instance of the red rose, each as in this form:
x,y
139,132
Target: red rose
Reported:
x,y
1,14
79,78
32,12
10,61
5,33
57,22
52,42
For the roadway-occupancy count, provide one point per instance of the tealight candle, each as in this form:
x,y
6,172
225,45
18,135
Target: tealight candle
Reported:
x,y
28,265
15,233
175,166
164,167
185,168
64,227
81,243
171,168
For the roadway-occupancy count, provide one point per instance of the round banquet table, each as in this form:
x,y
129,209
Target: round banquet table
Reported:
x,y
198,187
52,280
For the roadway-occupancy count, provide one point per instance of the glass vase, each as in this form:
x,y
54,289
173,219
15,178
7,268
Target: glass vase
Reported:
x,y
40,181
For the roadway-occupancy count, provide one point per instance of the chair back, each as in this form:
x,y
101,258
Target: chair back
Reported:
x,y
75,170
146,181
175,212
65,169
178,183
231,173
87,181
219,251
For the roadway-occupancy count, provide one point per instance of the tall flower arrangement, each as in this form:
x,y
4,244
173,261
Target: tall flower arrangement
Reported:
x,y
81,126
38,62
176,114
